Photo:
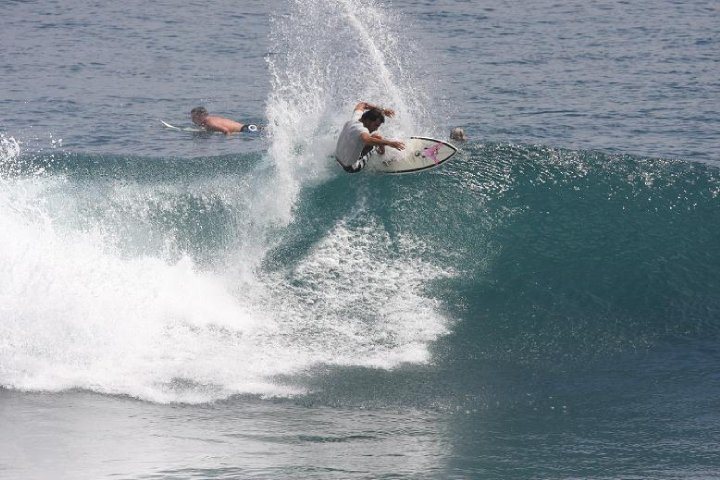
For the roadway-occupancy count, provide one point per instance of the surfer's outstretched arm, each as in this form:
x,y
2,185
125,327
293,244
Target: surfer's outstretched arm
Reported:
x,y
376,140
363,106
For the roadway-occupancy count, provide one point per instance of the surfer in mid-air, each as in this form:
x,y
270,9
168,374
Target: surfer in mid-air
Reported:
x,y
212,123
359,136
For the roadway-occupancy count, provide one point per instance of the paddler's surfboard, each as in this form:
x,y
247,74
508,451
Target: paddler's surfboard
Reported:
x,y
181,129
251,128
421,153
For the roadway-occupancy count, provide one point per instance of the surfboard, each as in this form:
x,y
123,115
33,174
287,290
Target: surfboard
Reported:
x,y
181,129
251,128
421,153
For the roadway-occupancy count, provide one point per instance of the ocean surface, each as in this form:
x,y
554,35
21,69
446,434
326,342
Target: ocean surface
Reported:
x,y
195,306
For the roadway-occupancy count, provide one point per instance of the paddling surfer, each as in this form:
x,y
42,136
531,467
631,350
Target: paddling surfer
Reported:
x,y
212,123
359,136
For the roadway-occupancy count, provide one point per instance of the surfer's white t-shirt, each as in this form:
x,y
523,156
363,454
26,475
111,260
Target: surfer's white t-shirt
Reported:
x,y
350,145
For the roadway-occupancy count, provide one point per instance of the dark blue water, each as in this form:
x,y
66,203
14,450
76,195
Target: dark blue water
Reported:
x,y
178,305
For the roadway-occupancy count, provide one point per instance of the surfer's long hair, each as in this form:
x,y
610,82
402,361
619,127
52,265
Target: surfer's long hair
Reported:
x,y
372,115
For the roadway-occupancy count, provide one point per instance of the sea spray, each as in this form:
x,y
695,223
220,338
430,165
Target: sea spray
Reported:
x,y
327,56
9,152
79,311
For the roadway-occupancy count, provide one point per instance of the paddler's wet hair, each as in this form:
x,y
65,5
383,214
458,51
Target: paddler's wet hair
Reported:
x,y
199,111
372,115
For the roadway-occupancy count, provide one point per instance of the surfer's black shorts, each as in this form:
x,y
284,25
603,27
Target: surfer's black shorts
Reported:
x,y
354,168
359,165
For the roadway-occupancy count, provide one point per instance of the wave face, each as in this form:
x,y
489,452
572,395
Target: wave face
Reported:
x,y
163,279
589,254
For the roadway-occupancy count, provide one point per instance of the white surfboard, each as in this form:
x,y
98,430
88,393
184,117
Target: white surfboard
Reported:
x,y
181,129
421,153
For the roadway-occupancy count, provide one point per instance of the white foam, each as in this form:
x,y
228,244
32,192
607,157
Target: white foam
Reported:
x,y
76,311
355,301
77,314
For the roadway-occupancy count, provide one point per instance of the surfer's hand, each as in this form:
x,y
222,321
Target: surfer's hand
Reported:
x,y
396,145
388,112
